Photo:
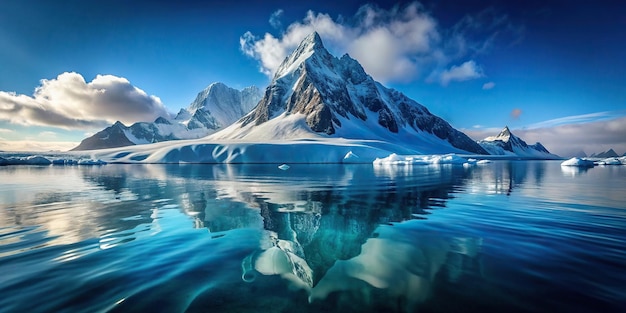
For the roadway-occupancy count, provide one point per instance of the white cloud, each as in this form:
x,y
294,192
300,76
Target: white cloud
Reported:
x,y
466,71
71,103
34,145
400,44
6,131
488,85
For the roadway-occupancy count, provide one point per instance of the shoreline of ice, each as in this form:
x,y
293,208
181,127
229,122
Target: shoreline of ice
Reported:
x,y
591,162
300,151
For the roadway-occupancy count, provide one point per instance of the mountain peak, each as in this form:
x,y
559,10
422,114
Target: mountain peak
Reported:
x,y
118,124
314,93
313,39
311,45
507,143
505,133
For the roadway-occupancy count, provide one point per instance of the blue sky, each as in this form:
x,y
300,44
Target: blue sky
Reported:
x,y
550,70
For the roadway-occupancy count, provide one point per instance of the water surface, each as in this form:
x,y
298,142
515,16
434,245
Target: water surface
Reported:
x,y
516,236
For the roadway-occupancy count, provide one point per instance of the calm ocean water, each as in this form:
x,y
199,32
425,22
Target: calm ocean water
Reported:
x,y
510,236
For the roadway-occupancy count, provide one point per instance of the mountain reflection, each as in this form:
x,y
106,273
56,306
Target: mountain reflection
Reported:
x,y
504,177
328,228
337,232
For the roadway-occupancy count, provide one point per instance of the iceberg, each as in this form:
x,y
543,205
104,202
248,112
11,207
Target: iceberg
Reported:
x,y
58,159
394,159
578,162
613,161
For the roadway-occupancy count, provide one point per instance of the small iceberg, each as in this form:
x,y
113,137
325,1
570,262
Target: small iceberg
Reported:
x,y
284,167
350,157
578,162
394,159
29,160
610,161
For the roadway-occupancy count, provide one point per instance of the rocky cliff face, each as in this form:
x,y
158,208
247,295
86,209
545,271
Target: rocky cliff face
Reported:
x,y
339,99
110,137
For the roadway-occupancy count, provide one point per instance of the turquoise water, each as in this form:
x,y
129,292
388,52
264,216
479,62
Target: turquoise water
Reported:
x,y
510,236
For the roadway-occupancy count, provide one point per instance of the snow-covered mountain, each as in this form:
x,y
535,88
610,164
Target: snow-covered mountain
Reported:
x,y
505,143
214,108
316,95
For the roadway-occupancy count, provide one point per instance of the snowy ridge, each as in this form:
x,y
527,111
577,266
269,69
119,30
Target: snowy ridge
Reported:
x,y
214,108
337,99
224,104
505,143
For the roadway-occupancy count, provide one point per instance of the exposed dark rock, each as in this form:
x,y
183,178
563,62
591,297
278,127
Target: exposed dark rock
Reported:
x,y
326,89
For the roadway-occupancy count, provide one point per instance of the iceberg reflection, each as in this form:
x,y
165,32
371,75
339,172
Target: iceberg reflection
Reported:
x,y
399,260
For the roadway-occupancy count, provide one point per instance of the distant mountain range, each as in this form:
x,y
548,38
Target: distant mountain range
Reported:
x,y
313,96
606,154
214,108
505,143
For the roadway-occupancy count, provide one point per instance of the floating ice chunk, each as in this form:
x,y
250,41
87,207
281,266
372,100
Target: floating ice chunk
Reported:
x,y
29,160
394,159
37,160
90,162
610,161
350,158
578,162
284,167
391,159
483,162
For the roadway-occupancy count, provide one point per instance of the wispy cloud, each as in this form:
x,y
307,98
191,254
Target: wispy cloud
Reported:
x,y
6,131
47,135
275,19
579,119
400,44
69,102
488,85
